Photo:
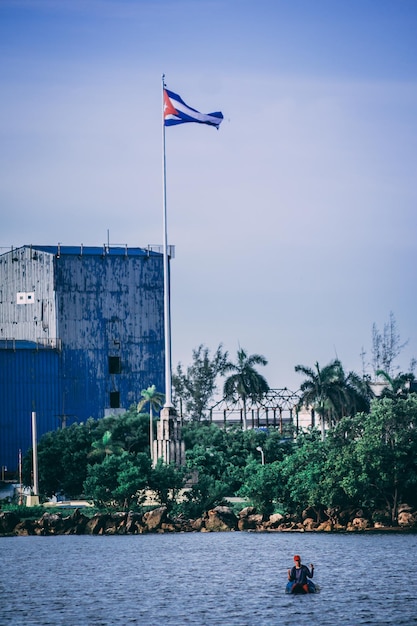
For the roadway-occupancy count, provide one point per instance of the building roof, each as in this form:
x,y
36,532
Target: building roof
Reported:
x,y
105,250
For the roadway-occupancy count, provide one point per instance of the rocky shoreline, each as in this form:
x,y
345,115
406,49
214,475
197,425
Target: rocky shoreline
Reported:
x,y
219,519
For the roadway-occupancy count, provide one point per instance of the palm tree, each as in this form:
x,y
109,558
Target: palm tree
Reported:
x,y
245,382
315,389
105,446
359,395
332,394
156,400
398,387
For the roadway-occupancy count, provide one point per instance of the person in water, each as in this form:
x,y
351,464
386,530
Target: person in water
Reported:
x,y
299,574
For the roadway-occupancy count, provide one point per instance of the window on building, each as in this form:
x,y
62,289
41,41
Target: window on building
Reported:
x,y
114,365
115,399
25,297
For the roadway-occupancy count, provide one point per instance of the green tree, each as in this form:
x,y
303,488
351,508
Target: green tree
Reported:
x,y
203,496
302,475
196,387
204,434
319,391
276,446
342,470
207,461
118,479
245,382
357,397
105,446
223,455
216,453
155,400
387,453
262,486
62,460
132,479
397,387
131,429
332,393
166,481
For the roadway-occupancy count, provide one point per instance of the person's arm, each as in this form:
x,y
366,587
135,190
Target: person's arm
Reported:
x,y
311,572
291,575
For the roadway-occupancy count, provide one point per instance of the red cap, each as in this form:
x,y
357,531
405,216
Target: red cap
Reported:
x,y
297,558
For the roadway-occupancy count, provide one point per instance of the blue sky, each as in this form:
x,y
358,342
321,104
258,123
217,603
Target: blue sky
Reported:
x,y
294,225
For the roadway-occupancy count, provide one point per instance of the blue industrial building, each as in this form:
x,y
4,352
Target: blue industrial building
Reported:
x,y
81,334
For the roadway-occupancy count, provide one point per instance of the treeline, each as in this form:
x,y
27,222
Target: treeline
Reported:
x,y
330,391
362,456
367,462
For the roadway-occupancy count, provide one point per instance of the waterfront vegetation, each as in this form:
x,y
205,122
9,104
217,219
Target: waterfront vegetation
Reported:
x,y
365,460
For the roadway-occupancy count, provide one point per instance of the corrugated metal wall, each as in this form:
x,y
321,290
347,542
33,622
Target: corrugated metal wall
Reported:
x,y
102,309
29,382
28,272
110,305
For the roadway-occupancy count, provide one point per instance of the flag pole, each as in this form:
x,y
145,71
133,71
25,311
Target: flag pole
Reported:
x,y
167,306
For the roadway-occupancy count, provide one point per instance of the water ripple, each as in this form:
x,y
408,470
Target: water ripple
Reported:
x,y
228,579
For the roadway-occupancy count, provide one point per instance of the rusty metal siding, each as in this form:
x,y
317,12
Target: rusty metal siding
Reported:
x,y
110,305
90,304
29,382
27,271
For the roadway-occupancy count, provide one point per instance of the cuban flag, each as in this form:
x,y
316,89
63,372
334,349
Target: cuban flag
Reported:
x,y
177,112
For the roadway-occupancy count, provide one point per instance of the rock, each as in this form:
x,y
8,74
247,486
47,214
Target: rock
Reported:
x,y
333,514
326,526
406,519
289,526
8,522
155,518
381,518
247,511
379,525
250,522
198,524
167,527
290,522
50,524
183,525
274,521
310,524
75,523
358,523
115,524
403,507
25,528
134,523
96,525
221,518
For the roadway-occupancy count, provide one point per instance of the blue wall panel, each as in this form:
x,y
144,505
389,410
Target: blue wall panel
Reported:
x,y
29,382
109,305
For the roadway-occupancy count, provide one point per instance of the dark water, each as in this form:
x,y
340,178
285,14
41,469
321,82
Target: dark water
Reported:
x,y
220,578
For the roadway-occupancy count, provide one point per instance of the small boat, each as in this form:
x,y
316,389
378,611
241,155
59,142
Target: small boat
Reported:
x,y
295,589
